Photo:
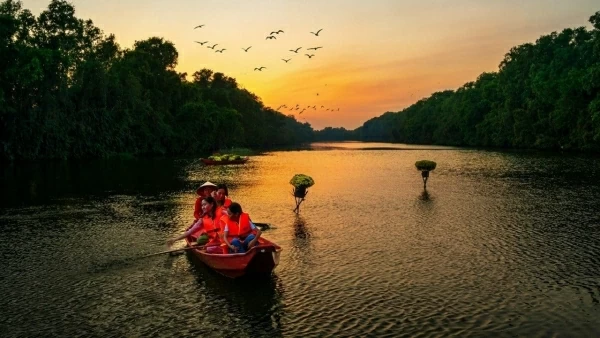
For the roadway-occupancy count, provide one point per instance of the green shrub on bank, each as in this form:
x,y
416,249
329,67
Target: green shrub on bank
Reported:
x,y
226,157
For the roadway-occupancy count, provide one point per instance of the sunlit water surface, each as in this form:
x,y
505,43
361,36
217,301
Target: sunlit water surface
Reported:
x,y
508,244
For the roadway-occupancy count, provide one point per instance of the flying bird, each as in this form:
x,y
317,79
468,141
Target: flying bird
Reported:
x,y
310,55
212,47
199,26
201,43
270,37
295,50
276,32
246,49
286,61
314,48
317,33
260,68
220,50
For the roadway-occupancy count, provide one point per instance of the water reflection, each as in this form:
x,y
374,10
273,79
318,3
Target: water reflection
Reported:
x,y
507,244
253,303
424,196
301,232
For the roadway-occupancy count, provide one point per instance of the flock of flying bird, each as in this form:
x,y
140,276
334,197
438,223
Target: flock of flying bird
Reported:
x,y
273,36
297,107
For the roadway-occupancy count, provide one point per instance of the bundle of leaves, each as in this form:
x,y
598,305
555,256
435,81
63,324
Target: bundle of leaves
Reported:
x,y
226,157
425,165
302,181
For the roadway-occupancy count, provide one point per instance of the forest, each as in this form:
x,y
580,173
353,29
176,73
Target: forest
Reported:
x,y
67,90
545,95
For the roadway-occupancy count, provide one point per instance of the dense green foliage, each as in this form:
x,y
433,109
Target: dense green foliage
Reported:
x,y
546,95
301,180
69,91
336,134
226,157
425,165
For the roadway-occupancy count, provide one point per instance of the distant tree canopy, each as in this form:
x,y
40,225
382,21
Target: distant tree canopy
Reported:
x,y
545,95
69,91
335,134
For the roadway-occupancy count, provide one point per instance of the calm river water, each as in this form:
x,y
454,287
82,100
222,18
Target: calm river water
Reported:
x,y
507,245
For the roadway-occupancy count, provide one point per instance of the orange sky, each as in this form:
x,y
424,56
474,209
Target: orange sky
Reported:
x,y
377,56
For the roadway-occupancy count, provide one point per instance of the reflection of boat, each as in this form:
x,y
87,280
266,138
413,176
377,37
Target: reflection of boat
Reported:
x,y
223,162
260,259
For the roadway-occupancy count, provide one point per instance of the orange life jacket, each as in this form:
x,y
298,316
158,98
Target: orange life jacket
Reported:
x,y
219,214
212,230
241,228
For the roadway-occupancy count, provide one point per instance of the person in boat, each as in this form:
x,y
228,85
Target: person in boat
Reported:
x,y
207,227
239,233
205,190
221,195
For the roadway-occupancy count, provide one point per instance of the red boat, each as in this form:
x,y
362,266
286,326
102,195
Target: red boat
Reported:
x,y
260,259
213,162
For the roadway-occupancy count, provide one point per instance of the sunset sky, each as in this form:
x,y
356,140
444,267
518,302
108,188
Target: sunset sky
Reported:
x,y
377,56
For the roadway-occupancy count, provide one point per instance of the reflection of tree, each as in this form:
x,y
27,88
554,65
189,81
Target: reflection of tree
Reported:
x,y
425,196
253,304
300,230
301,250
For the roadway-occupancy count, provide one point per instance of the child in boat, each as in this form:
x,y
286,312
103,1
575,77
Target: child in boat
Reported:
x,y
207,225
239,233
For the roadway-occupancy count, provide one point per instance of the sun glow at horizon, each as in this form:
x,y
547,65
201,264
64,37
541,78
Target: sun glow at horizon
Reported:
x,y
376,57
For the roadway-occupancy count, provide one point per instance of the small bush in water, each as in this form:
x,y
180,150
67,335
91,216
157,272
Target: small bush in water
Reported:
x,y
425,165
301,180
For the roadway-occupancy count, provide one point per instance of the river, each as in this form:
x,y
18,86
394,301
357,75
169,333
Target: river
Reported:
x,y
507,244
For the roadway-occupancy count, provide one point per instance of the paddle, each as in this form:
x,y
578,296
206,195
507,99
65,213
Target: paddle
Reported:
x,y
175,250
263,226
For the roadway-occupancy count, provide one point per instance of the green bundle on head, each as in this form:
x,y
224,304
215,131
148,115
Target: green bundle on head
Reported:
x,y
425,165
302,181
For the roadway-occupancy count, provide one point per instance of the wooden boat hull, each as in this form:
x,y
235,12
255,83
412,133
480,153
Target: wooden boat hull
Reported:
x,y
211,162
261,259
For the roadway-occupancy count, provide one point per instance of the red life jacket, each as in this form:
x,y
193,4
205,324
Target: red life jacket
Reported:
x,y
241,228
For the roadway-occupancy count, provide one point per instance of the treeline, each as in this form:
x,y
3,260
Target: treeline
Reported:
x,y
67,90
545,95
336,134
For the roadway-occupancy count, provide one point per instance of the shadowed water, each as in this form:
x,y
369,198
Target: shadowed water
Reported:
x,y
508,244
